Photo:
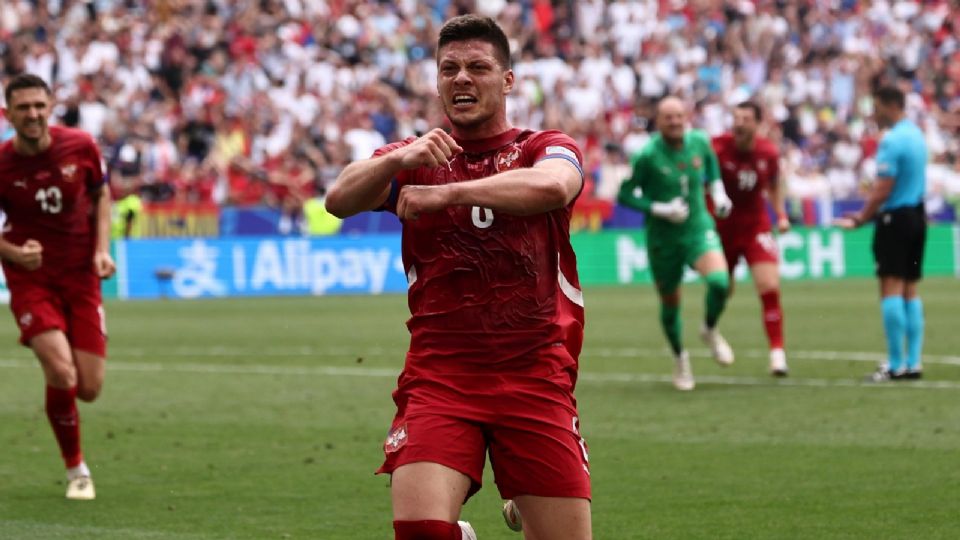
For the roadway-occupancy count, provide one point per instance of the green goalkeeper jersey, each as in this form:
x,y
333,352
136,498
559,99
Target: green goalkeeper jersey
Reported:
x,y
661,173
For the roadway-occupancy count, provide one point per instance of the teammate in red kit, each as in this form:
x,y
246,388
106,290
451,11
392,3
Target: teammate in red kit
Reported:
x,y
749,165
55,248
496,310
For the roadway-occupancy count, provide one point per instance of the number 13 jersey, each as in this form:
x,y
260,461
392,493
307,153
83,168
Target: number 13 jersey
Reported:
x,y
50,197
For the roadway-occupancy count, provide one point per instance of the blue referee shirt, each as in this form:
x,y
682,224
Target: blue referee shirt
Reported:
x,y
903,157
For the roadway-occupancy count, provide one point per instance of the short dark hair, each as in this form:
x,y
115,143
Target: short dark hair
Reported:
x,y
890,95
752,105
24,80
466,27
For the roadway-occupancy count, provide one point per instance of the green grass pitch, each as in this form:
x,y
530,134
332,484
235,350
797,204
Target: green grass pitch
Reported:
x,y
264,418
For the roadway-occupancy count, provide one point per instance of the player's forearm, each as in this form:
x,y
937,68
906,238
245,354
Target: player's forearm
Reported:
x,y
878,195
8,251
362,185
520,192
778,198
626,197
103,220
642,204
869,209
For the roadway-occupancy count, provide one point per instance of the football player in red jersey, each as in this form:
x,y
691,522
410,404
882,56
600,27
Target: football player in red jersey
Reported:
x,y
55,248
749,165
497,317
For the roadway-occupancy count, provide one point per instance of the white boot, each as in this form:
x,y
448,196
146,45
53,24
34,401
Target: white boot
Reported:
x,y
719,348
682,373
778,363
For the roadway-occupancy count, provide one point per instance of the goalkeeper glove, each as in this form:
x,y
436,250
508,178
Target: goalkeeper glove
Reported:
x,y
722,205
675,211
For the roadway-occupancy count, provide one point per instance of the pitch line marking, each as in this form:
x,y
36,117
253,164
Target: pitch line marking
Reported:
x,y
588,377
600,352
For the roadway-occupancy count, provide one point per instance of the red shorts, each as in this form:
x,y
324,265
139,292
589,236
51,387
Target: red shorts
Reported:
x,y
69,303
529,424
760,247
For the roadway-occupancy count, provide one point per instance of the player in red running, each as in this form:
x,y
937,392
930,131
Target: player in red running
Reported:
x,y
55,248
496,309
749,165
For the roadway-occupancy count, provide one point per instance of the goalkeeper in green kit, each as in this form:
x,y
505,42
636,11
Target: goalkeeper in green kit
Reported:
x,y
667,183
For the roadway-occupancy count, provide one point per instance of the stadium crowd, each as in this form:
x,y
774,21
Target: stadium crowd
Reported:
x,y
251,102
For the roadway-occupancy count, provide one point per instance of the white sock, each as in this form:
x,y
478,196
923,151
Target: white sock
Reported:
x,y
78,471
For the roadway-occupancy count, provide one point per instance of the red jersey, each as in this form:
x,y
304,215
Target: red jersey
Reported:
x,y
487,287
745,177
50,198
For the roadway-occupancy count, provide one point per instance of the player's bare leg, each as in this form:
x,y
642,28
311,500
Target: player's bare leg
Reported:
x,y
555,518
56,358
60,372
712,266
427,498
90,372
766,278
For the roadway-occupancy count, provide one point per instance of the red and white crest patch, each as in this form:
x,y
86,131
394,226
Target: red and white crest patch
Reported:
x,y
396,439
26,319
68,171
507,159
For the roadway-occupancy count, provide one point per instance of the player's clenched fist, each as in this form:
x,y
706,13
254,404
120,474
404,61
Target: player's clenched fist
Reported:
x,y
415,200
103,264
783,224
30,255
431,150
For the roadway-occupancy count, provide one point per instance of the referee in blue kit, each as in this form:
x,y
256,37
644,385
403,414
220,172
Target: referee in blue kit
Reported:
x,y
895,205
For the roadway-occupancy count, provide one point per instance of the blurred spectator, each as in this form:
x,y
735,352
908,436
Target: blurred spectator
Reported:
x,y
320,222
291,181
614,167
201,96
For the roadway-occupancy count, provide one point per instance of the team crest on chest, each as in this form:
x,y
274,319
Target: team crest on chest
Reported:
x,y
696,162
761,165
68,172
507,158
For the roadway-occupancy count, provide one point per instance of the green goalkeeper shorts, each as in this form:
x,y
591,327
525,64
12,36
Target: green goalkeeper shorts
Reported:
x,y
669,255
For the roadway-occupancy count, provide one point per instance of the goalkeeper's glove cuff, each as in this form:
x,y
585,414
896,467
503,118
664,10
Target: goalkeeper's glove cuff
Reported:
x,y
722,204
